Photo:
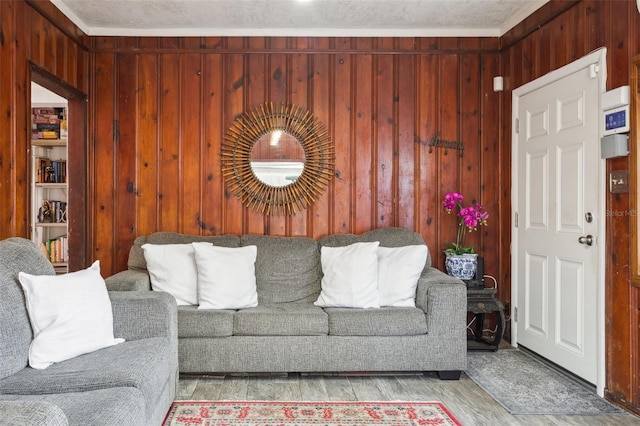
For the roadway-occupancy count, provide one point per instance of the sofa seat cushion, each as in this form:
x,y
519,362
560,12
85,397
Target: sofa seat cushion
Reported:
x,y
143,364
30,412
193,322
376,322
102,407
286,319
287,268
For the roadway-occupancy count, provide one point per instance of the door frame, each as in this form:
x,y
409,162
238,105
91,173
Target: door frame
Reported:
x,y
598,57
77,159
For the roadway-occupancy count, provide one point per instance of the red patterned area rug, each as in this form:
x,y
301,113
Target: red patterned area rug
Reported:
x,y
272,413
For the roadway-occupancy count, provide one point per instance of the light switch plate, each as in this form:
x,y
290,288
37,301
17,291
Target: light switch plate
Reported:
x,y
619,181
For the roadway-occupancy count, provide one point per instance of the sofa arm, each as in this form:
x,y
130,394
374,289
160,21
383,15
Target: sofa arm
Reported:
x,y
27,413
444,301
139,315
129,280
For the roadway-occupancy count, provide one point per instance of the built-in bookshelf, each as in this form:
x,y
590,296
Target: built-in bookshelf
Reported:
x,y
49,184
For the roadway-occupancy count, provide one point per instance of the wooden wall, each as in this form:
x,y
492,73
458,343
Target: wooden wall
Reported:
x,y
556,35
32,34
161,106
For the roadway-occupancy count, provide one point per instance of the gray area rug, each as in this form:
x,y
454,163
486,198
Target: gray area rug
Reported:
x,y
524,385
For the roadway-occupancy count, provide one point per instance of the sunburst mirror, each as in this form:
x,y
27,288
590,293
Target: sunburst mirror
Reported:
x,y
277,159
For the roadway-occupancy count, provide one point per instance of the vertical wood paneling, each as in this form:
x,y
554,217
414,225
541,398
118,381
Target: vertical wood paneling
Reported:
x,y
622,376
508,73
102,149
364,207
383,127
469,125
342,133
405,144
496,238
213,191
448,173
258,89
12,206
233,105
319,214
544,45
37,38
191,143
48,44
427,214
21,134
147,144
125,142
169,168
633,41
60,52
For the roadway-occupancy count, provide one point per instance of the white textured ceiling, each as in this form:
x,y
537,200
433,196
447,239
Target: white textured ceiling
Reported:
x,y
371,18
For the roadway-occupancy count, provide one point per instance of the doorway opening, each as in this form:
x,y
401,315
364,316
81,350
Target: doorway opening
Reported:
x,y
558,218
76,165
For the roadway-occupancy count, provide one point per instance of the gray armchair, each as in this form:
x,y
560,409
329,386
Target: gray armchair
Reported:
x,y
131,383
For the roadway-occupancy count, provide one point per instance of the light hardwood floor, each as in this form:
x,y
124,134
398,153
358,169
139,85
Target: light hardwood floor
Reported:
x,y
470,404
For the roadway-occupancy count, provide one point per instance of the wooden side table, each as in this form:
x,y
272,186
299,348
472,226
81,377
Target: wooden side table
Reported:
x,y
481,301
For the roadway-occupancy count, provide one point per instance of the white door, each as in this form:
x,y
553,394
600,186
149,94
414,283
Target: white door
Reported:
x,y
557,213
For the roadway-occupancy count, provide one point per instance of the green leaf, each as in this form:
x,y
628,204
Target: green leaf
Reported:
x,y
457,249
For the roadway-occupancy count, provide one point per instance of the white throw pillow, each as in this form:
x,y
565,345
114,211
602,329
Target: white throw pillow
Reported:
x,y
350,276
172,269
398,271
70,315
226,276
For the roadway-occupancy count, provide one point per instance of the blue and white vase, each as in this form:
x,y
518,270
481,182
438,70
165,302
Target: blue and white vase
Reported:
x,y
462,266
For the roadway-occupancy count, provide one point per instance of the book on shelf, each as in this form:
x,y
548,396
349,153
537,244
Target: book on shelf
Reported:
x,y
44,111
52,211
46,119
51,171
56,249
46,123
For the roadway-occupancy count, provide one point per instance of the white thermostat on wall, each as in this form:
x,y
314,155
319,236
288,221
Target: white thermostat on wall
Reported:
x,y
615,108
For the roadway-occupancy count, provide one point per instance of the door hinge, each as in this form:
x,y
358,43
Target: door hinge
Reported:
x,y
515,313
517,125
515,219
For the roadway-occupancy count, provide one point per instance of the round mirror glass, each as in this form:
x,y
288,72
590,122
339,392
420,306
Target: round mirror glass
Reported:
x,y
277,158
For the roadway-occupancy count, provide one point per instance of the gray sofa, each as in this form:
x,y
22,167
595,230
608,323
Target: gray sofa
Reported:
x,y
286,332
132,383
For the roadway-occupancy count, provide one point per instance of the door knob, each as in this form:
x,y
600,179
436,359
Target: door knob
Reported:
x,y
588,240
